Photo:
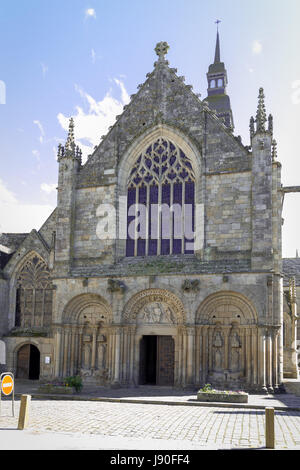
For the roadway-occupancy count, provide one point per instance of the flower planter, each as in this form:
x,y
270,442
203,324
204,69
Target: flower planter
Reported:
x,y
53,389
223,397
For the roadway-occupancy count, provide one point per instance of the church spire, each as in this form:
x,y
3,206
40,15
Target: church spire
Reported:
x,y
217,51
217,97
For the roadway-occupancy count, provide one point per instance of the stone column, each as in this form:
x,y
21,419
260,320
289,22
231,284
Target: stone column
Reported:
x,y
293,300
204,353
79,352
275,334
94,347
254,356
190,355
72,359
269,365
117,333
262,358
57,342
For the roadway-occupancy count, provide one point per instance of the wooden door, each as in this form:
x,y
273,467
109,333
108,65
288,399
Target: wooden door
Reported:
x,y
165,360
23,362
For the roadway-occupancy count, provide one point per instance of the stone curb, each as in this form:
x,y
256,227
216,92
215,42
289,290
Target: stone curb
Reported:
x,y
158,402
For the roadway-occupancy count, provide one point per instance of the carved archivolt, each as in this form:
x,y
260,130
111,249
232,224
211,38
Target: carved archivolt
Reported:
x,y
154,306
226,308
87,308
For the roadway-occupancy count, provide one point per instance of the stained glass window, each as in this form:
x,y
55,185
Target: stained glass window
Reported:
x,y
161,200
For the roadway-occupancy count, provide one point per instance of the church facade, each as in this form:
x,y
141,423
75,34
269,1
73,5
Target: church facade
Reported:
x,y
161,263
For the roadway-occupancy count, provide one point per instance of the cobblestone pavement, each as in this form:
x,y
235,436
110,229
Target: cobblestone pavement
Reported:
x,y
198,427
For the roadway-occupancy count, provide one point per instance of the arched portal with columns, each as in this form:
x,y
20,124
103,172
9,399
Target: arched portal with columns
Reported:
x,y
234,349
155,343
83,339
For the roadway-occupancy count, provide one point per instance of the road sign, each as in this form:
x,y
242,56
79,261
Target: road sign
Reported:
x,y
7,385
7,388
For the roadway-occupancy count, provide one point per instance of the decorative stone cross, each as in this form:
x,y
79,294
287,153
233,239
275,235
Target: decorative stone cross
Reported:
x,y
162,49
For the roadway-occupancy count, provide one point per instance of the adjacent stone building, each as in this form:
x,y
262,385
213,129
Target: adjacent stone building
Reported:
x,y
122,290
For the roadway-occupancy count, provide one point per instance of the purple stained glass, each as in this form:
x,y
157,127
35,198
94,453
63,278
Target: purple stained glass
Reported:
x,y
189,221
153,221
165,220
177,218
130,219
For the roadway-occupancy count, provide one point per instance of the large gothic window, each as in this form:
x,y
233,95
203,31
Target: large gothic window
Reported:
x,y
34,294
161,202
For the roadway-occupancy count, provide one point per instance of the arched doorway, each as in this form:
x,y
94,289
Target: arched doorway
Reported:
x,y
157,360
153,320
28,362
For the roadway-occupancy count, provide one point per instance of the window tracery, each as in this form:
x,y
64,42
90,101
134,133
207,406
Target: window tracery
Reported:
x,y
34,294
161,198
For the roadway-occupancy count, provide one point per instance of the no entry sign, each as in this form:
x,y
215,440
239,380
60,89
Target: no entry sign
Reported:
x,y
7,388
7,385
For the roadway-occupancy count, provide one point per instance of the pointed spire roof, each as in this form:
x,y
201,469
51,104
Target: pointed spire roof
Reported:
x,y
217,97
261,116
217,50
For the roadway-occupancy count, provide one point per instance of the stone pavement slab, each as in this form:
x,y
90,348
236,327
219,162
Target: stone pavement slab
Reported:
x,y
122,425
167,395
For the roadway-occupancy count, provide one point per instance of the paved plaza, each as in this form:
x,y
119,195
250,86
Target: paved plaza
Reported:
x,y
94,424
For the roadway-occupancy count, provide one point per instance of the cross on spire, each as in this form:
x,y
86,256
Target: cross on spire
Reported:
x,y
162,49
217,23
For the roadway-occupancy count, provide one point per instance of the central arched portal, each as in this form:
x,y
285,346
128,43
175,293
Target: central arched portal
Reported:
x,y
155,316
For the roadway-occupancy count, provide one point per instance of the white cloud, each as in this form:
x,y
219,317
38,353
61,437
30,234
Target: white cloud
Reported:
x,y
48,188
36,153
17,216
295,97
100,115
93,55
256,47
90,13
44,69
41,138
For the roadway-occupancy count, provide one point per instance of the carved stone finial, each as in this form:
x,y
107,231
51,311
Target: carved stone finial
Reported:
x,y
161,50
274,150
251,126
261,117
70,144
292,290
270,121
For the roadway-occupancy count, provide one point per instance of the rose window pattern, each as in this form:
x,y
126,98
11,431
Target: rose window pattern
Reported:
x,y
161,202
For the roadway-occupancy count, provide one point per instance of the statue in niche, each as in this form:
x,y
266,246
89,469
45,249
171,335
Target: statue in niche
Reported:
x,y
86,356
235,352
101,356
218,351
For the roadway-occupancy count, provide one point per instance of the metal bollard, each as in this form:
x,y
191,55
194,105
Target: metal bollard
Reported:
x,y
270,429
24,411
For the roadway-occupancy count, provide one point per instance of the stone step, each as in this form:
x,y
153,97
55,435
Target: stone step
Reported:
x,y
292,386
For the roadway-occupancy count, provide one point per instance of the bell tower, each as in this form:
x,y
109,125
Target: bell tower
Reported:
x,y
217,97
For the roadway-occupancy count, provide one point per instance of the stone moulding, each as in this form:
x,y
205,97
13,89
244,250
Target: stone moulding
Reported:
x,y
224,397
55,389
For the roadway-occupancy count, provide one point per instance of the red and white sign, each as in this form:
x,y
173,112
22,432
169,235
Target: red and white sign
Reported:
x,y
7,385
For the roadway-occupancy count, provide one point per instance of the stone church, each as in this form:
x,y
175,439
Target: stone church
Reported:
x,y
161,264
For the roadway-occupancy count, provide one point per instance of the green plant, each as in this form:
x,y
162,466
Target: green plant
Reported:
x,y
75,382
207,388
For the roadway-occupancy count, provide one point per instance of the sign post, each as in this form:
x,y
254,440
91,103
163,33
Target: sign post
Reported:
x,y
7,384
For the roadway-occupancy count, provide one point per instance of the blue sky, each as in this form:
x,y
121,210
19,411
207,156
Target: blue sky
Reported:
x,y
85,58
